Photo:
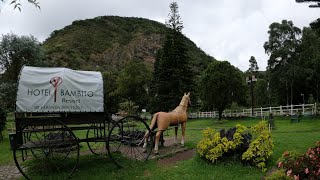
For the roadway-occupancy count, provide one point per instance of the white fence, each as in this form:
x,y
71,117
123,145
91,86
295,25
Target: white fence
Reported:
x,y
304,109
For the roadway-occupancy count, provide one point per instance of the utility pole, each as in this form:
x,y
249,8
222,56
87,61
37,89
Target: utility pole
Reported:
x,y
251,79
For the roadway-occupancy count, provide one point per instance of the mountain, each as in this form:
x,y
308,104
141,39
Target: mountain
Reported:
x,y
106,43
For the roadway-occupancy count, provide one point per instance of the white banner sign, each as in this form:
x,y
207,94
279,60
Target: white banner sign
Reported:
x,y
59,90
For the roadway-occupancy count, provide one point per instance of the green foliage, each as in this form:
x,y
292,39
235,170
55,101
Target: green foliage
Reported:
x,y
133,83
283,67
261,148
16,51
213,146
108,42
309,60
174,22
8,92
220,85
111,100
253,65
129,107
279,174
93,167
3,120
173,74
293,64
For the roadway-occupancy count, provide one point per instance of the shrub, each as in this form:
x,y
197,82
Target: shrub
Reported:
x,y
260,148
305,166
216,144
237,141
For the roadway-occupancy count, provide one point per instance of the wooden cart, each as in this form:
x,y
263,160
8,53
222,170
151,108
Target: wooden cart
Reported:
x,y
58,108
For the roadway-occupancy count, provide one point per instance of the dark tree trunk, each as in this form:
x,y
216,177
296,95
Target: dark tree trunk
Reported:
x,y
291,87
220,114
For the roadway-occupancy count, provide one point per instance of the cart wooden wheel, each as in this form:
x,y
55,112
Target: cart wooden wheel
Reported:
x,y
96,139
47,152
125,141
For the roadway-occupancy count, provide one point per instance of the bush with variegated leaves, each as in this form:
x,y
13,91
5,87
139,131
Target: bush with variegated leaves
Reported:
x,y
254,151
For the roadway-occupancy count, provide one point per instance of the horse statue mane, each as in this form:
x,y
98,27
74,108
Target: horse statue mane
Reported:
x,y
162,120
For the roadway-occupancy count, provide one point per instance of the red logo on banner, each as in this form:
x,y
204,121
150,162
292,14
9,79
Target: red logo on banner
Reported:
x,y
55,81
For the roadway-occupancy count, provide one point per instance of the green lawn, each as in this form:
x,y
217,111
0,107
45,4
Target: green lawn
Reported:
x,y
286,136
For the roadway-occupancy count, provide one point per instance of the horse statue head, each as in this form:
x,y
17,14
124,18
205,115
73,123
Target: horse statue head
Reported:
x,y
185,101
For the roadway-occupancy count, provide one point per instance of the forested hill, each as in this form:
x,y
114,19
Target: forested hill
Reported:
x,y
106,43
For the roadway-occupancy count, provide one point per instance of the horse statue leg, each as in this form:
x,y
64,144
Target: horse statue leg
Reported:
x,y
156,142
146,137
176,135
183,129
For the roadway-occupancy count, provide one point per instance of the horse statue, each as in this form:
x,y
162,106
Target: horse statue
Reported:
x,y
162,120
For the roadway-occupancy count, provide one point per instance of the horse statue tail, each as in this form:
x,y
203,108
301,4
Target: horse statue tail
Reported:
x,y
153,121
147,134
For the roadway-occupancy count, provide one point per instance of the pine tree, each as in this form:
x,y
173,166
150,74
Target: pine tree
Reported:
x,y
172,74
253,67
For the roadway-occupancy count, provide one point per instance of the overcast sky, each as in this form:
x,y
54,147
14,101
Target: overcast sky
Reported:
x,y
232,30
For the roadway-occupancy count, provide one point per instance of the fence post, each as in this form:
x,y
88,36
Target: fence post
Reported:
x,y
303,109
281,110
270,109
291,109
261,112
315,108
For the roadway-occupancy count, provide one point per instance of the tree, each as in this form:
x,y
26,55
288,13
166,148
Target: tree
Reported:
x,y
133,83
221,84
173,75
262,93
309,60
252,72
111,100
253,67
17,51
282,46
17,3
174,22
315,25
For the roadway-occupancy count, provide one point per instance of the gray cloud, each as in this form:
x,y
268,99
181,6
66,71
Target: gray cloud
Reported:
x,y
230,30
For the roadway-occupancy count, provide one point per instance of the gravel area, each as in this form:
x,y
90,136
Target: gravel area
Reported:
x,y
9,172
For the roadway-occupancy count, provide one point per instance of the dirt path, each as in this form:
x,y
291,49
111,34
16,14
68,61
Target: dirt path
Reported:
x,y
185,155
